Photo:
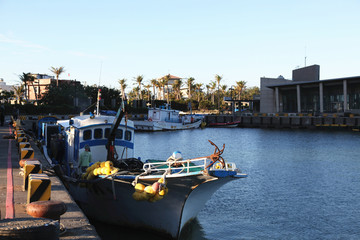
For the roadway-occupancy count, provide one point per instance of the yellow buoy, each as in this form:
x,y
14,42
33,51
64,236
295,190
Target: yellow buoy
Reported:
x,y
114,170
108,164
139,187
149,190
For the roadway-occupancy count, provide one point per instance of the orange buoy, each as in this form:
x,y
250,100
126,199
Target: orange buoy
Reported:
x,y
46,209
23,161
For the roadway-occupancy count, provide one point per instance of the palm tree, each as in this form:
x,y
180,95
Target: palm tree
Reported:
x,y
190,83
177,86
218,79
166,79
57,72
223,89
139,80
158,86
148,86
18,92
198,87
240,86
212,89
154,84
25,78
123,86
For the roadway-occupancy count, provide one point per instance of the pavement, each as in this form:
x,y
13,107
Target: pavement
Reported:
x,y
76,224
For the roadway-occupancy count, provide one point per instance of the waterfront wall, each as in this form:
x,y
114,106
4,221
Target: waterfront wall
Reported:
x,y
286,121
249,120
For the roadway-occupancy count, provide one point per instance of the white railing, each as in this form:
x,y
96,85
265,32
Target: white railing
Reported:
x,y
183,166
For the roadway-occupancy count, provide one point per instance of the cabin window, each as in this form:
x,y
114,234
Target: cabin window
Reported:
x,y
127,135
87,135
98,133
119,134
107,132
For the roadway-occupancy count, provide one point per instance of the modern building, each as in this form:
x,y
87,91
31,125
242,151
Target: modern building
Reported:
x,y
306,93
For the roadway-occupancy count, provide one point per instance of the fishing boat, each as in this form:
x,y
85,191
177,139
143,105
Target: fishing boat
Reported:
x,y
157,195
165,118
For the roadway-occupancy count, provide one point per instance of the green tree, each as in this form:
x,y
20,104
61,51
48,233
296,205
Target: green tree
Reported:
x,y
18,92
154,84
63,97
123,86
212,91
240,86
250,92
164,81
139,80
148,86
198,88
6,95
57,72
25,79
177,87
190,84
218,79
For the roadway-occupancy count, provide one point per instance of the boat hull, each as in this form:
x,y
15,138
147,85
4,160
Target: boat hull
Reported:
x,y
112,202
163,125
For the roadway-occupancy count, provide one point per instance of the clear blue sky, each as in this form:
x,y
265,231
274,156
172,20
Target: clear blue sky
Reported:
x,y
238,39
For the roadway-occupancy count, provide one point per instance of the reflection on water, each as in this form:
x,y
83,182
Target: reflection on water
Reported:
x,y
301,184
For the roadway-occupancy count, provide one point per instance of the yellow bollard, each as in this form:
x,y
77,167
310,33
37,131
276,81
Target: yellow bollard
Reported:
x,y
27,153
30,167
39,188
23,145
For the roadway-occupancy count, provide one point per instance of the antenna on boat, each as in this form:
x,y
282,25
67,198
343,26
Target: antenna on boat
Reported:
x,y
99,93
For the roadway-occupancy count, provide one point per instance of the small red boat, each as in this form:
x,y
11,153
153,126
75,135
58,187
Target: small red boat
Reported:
x,y
226,124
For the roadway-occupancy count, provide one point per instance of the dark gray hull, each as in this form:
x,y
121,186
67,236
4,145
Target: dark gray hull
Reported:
x,y
186,197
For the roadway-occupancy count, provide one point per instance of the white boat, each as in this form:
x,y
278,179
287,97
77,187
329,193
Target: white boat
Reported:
x,y
165,118
182,187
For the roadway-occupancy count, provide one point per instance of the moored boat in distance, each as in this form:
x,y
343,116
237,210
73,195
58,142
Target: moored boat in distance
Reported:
x,y
158,195
165,118
225,124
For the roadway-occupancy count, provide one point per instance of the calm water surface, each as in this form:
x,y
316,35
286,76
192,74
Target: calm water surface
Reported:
x,y
302,184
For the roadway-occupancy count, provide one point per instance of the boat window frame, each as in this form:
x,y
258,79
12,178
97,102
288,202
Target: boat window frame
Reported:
x,y
87,134
100,136
128,135
117,133
107,132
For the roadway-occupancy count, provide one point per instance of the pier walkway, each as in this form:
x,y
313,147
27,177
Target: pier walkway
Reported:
x,y
13,199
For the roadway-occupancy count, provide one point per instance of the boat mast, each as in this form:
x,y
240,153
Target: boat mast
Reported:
x,y
98,102
99,94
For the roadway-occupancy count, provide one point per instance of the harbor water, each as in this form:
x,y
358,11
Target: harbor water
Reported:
x,y
302,184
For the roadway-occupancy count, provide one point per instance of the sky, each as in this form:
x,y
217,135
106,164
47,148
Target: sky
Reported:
x,y
100,42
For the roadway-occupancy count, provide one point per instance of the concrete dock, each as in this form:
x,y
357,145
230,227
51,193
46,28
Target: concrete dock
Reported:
x,y
13,199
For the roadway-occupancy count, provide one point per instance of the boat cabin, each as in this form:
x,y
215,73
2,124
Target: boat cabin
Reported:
x,y
94,131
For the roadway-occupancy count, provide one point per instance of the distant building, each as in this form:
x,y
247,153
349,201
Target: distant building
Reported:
x,y
4,87
306,93
39,86
171,82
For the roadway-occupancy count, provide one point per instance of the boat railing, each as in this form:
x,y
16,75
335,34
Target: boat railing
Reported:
x,y
187,166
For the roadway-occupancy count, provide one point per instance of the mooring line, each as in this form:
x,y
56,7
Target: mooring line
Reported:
x,y
10,213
